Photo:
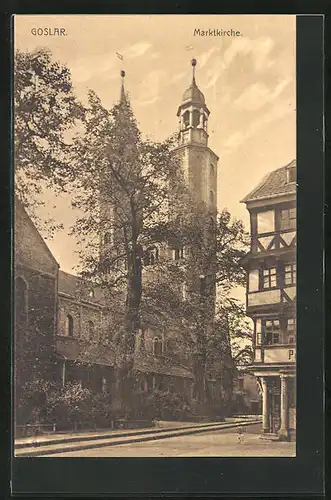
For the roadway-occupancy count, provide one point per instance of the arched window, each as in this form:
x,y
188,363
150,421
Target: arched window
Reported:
x,y
21,306
212,197
69,326
204,122
179,253
212,171
186,118
107,238
91,329
157,346
196,117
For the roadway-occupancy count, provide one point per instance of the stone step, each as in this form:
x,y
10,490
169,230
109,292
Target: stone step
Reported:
x,y
270,436
51,449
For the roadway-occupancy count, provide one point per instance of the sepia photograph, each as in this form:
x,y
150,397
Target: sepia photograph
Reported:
x,y
155,181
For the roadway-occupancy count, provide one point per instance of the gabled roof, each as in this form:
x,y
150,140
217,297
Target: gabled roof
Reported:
x,y
274,183
76,287
28,240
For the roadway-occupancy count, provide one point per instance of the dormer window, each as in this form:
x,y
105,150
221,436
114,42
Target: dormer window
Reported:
x,y
91,293
291,174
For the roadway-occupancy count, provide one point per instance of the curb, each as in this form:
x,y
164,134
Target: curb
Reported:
x,y
109,435
164,435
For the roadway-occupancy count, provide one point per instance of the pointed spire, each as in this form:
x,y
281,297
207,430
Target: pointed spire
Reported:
x,y
122,96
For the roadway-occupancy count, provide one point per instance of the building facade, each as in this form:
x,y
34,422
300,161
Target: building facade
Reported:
x,y
271,296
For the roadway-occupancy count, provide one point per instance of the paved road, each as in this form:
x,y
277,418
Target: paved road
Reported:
x,y
209,444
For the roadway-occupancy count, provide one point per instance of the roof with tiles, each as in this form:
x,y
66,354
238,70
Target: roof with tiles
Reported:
x,y
74,286
273,184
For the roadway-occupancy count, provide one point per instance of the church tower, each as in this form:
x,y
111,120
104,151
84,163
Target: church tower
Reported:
x,y
198,160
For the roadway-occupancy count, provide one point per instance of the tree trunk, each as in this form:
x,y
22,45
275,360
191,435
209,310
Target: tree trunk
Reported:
x,y
127,340
198,369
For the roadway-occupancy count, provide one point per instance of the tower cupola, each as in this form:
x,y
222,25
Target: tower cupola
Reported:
x,y
193,114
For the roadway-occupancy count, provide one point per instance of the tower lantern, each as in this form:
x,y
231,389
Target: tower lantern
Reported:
x,y
193,114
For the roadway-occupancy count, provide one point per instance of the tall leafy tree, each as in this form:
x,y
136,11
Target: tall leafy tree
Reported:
x,y
46,111
121,190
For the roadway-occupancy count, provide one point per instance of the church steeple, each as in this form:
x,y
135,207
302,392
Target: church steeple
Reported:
x,y
193,114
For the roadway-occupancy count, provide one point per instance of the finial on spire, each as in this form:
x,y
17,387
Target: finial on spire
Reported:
x,y
122,98
194,63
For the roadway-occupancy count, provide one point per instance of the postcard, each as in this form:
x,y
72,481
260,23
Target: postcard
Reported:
x,y
155,236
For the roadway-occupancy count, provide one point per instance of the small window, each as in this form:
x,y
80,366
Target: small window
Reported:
x,y
91,329
91,293
157,346
253,280
269,278
186,118
288,218
212,171
291,326
266,222
241,384
107,238
290,274
291,330
212,197
272,332
69,326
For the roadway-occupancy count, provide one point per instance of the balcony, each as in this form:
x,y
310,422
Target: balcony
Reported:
x,y
276,354
274,242
264,298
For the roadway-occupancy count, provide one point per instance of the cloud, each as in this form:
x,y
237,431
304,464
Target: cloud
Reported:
x,y
277,112
147,102
90,67
176,78
150,88
155,55
213,75
258,94
259,48
205,56
136,50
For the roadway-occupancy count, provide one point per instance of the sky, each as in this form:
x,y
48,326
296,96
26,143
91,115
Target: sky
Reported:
x,y
249,83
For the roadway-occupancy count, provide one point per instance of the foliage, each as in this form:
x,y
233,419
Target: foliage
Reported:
x,y
161,405
72,406
45,114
